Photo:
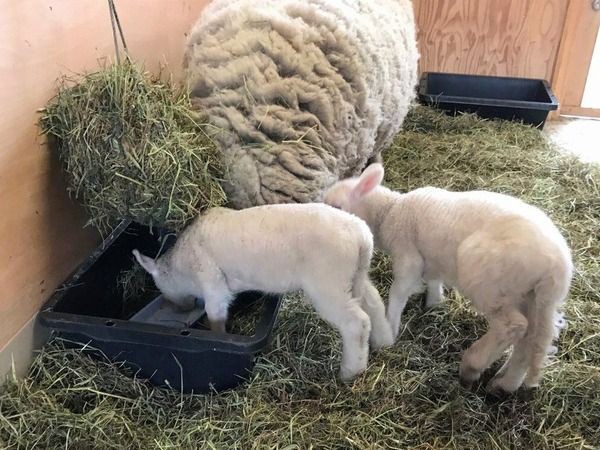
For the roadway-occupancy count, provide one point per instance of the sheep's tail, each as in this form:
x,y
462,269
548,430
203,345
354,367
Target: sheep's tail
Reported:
x,y
546,321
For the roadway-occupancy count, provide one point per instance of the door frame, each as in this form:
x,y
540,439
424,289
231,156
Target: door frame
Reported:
x,y
574,59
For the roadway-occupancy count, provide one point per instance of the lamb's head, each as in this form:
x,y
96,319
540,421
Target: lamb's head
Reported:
x,y
351,194
167,280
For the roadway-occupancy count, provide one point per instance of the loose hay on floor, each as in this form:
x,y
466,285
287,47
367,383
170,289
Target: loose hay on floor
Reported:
x,y
410,396
133,148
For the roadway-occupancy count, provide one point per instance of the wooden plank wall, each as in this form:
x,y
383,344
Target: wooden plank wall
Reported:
x,y
41,235
490,37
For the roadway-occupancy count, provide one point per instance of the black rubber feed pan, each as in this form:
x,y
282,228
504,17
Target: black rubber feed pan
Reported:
x,y
517,99
89,310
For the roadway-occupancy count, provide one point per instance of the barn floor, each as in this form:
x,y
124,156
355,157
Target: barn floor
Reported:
x,y
410,396
580,137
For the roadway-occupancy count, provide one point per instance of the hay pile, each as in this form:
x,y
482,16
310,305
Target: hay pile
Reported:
x,y
410,396
133,148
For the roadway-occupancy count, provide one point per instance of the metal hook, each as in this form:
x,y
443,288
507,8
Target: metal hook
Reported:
x,y
596,5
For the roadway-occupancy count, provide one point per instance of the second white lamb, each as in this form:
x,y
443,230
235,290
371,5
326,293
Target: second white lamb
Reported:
x,y
504,255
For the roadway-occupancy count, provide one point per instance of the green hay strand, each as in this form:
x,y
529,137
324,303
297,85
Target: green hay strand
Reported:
x,y
134,283
133,148
409,398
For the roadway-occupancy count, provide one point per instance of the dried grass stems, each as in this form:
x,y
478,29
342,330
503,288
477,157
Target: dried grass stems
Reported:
x,y
132,147
410,396
134,283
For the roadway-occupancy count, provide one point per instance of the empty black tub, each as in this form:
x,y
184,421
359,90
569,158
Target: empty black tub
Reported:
x,y
519,99
89,309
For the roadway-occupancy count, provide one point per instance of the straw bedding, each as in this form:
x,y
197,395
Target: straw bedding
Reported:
x,y
410,396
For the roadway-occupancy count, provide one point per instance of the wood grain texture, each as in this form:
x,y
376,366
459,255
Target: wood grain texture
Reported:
x,y
490,37
42,239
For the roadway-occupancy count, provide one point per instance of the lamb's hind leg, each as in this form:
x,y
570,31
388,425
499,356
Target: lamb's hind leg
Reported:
x,y
514,370
381,332
506,327
345,314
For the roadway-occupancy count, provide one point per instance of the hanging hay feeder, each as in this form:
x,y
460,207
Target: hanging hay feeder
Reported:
x,y
133,148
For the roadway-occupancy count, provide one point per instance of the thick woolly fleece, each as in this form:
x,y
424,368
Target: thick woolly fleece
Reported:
x,y
304,92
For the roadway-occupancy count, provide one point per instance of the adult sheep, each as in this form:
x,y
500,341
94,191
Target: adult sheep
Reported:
x,y
302,92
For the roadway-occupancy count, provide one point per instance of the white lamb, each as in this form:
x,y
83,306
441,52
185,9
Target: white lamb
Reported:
x,y
506,256
280,248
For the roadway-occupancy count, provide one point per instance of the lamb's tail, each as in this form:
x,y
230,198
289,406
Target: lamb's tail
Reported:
x,y
365,253
546,321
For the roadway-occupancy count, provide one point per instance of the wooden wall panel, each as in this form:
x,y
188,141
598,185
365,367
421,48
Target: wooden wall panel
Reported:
x,y
490,37
41,235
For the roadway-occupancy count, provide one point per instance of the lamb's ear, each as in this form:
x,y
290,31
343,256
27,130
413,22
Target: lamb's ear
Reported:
x,y
146,262
371,177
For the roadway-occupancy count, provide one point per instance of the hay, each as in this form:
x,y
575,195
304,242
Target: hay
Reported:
x,y
134,283
410,396
133,148
244,319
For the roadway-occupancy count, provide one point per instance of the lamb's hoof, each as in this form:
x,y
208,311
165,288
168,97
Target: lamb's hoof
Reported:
x,y
531,383
218,326
496,389
468,376
466,384
348,376
375,346
429,305
384,340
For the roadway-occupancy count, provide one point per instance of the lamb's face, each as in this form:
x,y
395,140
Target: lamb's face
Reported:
x,y
350,194
340,195
167,281
171,290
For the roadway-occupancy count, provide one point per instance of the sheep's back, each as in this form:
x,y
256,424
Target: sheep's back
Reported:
x,y
302,92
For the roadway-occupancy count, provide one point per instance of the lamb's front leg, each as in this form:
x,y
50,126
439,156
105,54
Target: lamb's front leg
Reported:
x,y
216,303
407,281
435,292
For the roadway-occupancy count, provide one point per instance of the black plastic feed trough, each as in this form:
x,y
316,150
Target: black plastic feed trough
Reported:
x,y
89,309
518,99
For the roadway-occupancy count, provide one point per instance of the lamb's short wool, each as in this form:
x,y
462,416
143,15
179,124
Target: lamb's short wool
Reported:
x,y
280,248
506,256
